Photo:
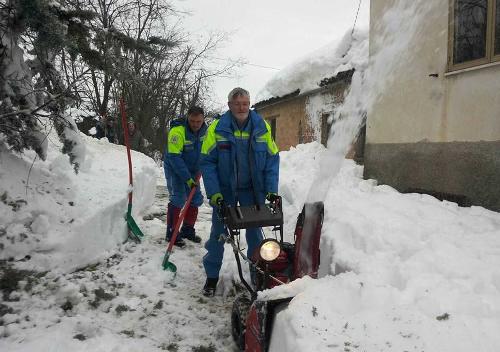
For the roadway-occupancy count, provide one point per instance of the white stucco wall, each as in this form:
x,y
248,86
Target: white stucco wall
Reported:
x,y
406,46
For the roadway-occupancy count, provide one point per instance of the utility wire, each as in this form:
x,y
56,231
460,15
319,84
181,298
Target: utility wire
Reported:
x,y
356,19
274,68
243,63
269,67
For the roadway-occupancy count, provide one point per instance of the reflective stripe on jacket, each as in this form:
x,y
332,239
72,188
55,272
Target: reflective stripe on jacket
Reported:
x,y
182,156
219,153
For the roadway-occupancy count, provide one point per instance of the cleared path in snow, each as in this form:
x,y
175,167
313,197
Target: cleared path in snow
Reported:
x,y
127,303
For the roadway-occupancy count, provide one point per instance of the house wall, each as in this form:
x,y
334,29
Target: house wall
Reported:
x,y
439,134
293,125
289,114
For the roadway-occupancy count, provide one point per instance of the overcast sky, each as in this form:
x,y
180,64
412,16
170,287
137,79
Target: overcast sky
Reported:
x,y
272,33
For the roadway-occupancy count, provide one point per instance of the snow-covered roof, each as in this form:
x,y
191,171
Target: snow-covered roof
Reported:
x,y
344,76
313,70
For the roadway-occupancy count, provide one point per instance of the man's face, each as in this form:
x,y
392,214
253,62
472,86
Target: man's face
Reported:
x,y
240,106
131,127
195,122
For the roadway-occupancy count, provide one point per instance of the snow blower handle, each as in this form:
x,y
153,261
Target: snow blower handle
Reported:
x,y
272,197
221,209
275,202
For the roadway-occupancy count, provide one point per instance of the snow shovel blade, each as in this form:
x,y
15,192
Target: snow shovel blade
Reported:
x,y
167,265
136,231
132,237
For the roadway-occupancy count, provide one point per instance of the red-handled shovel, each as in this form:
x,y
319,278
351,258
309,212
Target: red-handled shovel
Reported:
x,y
134,230
167,265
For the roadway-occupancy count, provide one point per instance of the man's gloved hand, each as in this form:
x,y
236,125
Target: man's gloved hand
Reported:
x,y
191,183
216,199
272,197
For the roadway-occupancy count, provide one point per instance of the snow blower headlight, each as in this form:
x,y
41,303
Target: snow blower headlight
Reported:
x,y
269,250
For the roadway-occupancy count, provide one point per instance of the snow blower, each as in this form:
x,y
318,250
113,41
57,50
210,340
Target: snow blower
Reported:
x,y
167,265
134,232
274,263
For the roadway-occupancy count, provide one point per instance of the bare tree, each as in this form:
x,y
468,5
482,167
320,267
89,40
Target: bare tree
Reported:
x,y
145,58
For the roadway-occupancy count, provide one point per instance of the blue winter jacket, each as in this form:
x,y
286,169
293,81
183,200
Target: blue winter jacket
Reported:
x,y
182,157
219,155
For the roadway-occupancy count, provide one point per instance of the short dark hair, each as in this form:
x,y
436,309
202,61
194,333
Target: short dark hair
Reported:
x,y
196,110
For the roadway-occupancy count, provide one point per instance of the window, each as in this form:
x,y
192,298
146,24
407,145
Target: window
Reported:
x,y
272,122
474,33
273,128
325,129
300,136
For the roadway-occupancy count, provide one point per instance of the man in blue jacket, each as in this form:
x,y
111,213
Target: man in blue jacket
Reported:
x,y
239,164
181,165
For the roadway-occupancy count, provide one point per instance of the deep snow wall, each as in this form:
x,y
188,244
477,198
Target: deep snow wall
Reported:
x,y
54,219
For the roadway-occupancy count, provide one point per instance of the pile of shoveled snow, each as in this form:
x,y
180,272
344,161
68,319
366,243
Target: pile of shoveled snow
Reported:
x,y
54,219
399,272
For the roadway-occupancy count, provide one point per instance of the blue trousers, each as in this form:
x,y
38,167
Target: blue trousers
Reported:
x,y
178,191
212,261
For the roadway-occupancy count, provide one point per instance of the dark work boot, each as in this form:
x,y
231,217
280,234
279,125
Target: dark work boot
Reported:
x,y
179,242
189,233
187,230
172,218
210,287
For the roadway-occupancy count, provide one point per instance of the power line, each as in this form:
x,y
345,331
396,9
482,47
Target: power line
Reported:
x,y
356,19
272,68
244,63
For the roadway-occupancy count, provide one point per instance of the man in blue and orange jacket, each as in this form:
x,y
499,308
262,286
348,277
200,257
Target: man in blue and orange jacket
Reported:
x,y
239,163
181,165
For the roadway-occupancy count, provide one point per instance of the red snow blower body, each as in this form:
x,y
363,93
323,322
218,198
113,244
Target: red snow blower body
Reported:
x,y
274,263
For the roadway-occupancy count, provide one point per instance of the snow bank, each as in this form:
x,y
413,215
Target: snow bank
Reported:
x,y
398,271
52,219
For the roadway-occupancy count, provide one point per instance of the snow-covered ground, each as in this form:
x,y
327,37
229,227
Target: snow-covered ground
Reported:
x,y
68,281
125,302
398,271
